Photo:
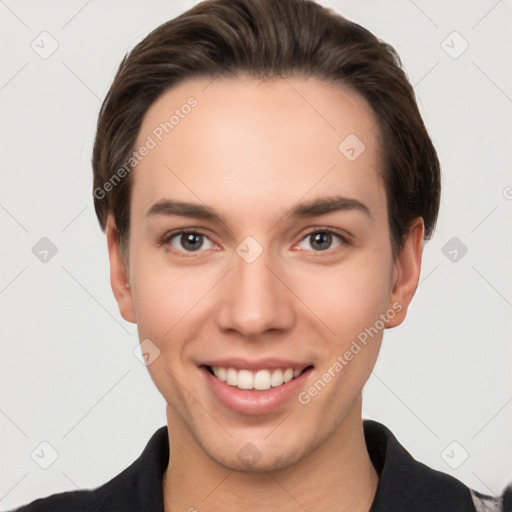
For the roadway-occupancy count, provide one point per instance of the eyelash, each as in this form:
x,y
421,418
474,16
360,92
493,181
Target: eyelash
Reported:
x,y
166,239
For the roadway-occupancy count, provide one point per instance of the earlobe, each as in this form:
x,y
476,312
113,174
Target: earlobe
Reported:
x,y
407,269
119,276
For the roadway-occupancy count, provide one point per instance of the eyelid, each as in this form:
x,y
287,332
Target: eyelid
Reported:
x,y
169,235
321,229
166,238
345,238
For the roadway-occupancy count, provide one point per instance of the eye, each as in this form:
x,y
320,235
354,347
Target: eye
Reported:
x,y
321,240
189,241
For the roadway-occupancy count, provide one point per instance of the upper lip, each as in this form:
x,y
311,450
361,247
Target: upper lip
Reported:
x,y
255,364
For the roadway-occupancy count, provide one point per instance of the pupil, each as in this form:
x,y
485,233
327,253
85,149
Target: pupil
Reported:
x,y
191,241
321,241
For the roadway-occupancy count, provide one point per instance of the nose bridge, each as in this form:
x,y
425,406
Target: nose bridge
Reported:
x,y
254,300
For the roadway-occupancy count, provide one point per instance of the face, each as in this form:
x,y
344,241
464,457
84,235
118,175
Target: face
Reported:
x,y
260,251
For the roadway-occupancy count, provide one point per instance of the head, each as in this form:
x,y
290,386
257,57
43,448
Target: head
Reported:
x,y
286,142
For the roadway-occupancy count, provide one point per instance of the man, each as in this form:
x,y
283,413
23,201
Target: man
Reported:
x,y
266,184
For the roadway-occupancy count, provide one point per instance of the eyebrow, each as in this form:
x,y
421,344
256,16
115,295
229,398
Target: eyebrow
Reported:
x,y
321,206
183,209
327,205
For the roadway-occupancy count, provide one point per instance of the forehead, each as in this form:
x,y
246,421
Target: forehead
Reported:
x,y
258,141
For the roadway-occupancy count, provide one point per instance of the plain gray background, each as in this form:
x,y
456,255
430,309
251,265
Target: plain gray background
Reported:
x,y
69,376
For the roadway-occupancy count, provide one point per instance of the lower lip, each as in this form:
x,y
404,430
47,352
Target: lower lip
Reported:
x,y
252,401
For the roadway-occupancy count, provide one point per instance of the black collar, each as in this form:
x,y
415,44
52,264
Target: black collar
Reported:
x,y
405,485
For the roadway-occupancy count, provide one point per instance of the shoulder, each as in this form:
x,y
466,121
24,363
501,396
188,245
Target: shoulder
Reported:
x,y
91,500
406,484
501,503
138,487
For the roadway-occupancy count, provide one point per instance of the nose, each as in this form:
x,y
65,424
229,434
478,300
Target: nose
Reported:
x,y
255,299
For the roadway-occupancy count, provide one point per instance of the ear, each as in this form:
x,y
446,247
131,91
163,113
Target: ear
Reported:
x,y
119,275
406,272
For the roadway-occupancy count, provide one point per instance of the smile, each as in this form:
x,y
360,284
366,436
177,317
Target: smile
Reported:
x,y
259,380
255,387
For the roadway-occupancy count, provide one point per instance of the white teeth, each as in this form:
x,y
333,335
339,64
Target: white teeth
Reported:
x,y
288,375
260,380
231,377
245,379
277,378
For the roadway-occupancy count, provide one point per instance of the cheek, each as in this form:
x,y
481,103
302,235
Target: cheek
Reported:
x,y
348,298
161,296
170,302
165,302
349,303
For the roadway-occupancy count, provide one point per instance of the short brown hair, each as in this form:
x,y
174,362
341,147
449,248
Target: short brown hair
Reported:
x,y
269,39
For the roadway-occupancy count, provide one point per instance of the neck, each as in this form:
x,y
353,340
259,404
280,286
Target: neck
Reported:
x,y
337,475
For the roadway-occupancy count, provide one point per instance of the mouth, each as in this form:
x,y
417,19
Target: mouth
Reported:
x,y
259,380
254,389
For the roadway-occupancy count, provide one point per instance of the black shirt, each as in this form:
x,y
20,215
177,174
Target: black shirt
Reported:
x,y
404,483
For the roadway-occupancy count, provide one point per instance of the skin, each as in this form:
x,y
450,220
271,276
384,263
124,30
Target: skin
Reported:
x,y
252,150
